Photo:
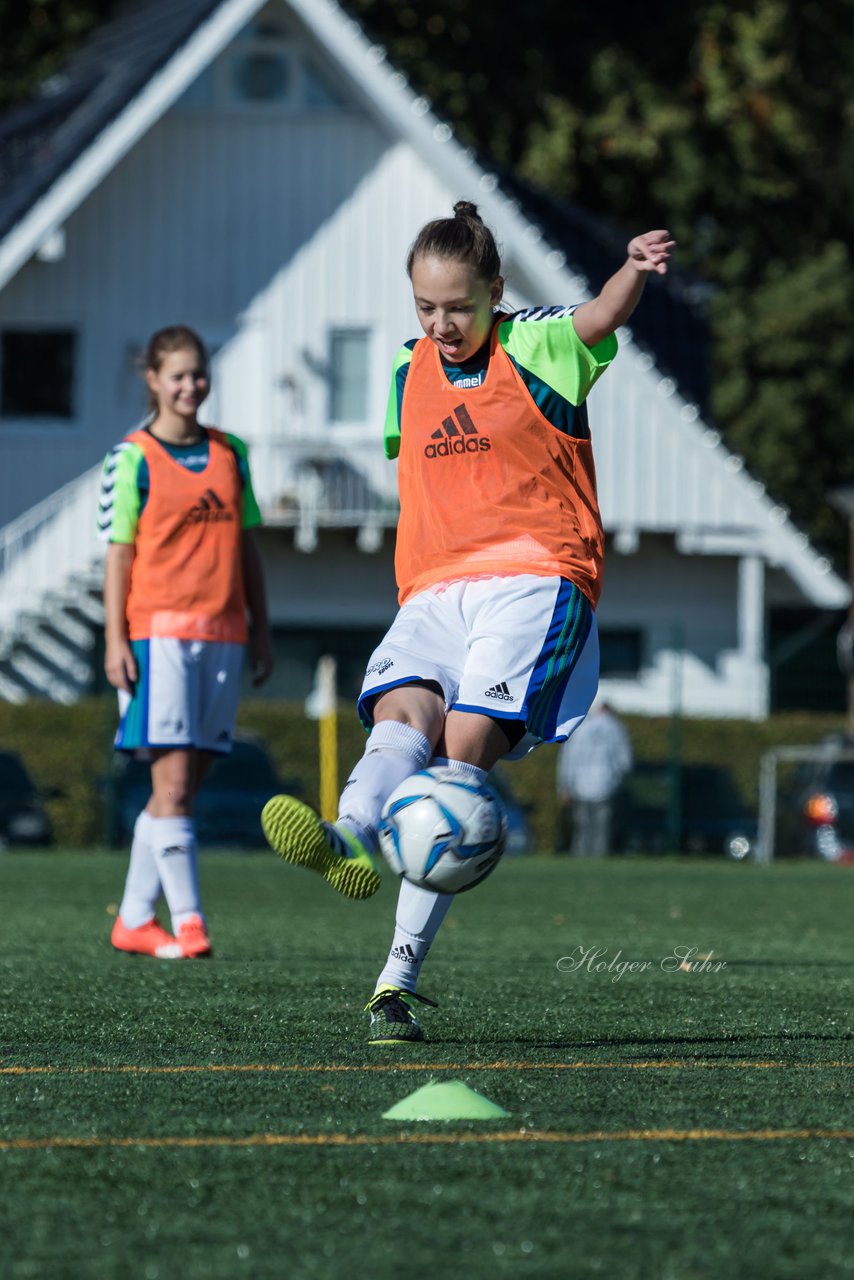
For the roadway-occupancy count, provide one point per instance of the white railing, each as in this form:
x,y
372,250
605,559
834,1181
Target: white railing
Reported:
x,y
310,483
47,545
279,464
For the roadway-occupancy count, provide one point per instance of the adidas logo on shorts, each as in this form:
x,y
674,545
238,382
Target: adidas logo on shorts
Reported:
x,y
500,692
457,434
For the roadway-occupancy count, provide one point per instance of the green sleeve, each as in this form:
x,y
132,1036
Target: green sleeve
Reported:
x,y
251,511
552,351
119,504
395,400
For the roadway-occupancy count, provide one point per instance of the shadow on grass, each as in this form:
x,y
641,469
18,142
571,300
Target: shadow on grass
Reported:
x,y
659,1049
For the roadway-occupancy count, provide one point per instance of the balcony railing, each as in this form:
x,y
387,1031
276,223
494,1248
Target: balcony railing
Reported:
x,y
47,545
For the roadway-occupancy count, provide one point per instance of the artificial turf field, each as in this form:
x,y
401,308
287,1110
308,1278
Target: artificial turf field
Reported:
x,y
223,1118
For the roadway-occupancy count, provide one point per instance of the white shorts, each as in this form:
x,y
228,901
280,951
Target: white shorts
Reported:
x,y
521,648
186,695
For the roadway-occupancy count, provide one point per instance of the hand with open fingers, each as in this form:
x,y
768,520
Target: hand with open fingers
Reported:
x,y
651,251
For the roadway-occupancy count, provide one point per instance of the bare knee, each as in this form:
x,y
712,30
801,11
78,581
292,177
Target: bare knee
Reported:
x,y
421,706
173,785
478,739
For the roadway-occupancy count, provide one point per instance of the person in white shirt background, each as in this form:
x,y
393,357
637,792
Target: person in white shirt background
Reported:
x,y
592,764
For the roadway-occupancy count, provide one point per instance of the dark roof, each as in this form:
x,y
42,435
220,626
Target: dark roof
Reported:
x,y
41,139
672,321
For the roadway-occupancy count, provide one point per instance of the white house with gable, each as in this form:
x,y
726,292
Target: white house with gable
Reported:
x,y
256,169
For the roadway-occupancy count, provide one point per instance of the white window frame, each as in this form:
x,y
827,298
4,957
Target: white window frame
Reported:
x,y
336,331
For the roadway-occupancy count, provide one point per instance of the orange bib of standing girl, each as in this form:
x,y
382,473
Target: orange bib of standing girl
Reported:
x,y
187,579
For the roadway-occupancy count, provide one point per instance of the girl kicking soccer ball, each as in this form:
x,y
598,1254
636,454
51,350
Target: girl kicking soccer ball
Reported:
x,y
498,561
182,572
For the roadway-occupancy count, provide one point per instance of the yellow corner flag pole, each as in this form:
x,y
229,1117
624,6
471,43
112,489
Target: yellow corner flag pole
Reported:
x,y
327,689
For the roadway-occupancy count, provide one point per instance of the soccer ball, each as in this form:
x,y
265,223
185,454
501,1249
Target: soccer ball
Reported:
x,y
443,831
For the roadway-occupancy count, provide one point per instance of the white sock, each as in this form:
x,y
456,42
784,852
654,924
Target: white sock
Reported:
x,y
142,884
393,752
472,771
420,912
174,843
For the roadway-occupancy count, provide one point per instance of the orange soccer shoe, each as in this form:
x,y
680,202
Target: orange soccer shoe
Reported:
x,y
192,938
149,939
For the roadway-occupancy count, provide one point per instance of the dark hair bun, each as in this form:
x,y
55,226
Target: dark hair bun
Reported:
x,y
463,238
465,209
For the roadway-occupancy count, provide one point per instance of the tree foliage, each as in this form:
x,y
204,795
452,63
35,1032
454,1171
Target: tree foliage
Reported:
x,y
37,36
728,122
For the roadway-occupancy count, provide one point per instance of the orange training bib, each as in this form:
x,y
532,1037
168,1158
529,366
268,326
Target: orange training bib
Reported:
x,y
187,576
487,485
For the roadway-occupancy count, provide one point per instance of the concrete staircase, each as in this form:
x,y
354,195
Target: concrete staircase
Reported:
x,y
51,653
50,597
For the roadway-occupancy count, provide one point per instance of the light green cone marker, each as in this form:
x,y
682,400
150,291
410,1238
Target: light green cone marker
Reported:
x,y
445,1100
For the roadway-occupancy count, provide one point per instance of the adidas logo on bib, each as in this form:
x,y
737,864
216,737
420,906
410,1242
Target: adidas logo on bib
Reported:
x,y
208,509
457,435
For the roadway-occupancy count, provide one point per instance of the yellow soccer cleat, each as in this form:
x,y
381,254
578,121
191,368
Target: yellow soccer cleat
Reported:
x,y
298,835
392,1020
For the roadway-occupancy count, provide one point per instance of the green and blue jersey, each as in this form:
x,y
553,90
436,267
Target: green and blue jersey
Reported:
x,y
556,367
125,484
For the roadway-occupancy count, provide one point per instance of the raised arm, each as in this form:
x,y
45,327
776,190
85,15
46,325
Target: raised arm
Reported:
x,y
620,295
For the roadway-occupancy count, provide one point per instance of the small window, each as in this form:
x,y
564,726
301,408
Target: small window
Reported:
x,y
348,375
262,75
620,652
37,373
267,69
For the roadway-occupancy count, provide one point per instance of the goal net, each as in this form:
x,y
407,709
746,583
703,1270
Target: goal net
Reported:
x,y
806,802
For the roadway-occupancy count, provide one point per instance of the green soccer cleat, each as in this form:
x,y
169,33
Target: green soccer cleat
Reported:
x,y
298,835
392,1020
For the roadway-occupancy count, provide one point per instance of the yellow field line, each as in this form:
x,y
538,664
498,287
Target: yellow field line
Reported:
x,y
260,1068
440,1139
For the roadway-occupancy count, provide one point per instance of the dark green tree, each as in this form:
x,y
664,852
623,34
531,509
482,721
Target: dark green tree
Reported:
x,y
36,36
